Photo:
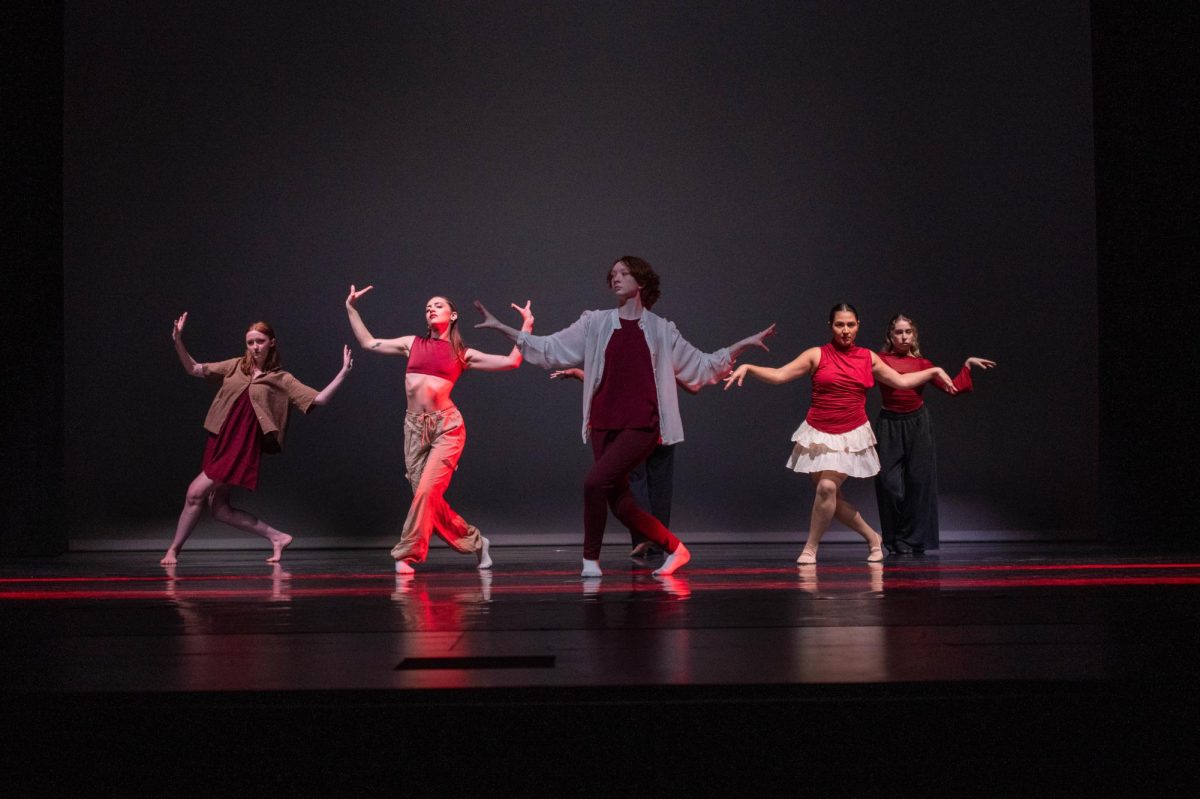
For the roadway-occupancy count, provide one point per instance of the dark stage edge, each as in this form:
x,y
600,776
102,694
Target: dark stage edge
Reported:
x,y
1051,669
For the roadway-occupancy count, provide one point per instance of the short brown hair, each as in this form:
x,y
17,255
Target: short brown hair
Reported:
x,y
645,276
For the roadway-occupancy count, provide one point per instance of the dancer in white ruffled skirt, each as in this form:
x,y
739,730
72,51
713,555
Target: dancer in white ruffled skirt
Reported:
x,y
835,440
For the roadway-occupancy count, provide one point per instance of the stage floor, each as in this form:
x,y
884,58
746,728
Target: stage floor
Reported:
x,y
113,641
734,615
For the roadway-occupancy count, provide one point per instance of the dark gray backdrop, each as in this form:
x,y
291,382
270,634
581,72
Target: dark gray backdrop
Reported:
x,y
769,160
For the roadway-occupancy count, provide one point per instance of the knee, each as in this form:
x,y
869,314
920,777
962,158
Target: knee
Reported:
x,y
594,483
222,512
827,491
195,499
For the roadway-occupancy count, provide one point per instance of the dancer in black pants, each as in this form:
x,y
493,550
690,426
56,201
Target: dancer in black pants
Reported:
x,y
906,486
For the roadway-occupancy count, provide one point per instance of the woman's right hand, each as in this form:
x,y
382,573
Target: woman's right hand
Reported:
x,y
526,312
177,328
353,296
738,375
562,374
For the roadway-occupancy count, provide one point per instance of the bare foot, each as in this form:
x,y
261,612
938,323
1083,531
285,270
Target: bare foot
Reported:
x,y
404,567
169,559
807,557
674,560
278,545
485,559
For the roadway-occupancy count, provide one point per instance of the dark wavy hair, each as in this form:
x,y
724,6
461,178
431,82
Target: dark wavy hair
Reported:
x,y
273,359
645,276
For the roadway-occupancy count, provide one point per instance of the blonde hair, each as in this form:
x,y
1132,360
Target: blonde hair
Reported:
x,y
914,350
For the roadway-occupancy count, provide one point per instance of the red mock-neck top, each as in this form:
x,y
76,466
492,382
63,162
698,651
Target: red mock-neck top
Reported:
x,y
434,356
839,389
907,400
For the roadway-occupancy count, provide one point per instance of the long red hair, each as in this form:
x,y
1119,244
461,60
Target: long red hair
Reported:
x,y
273,359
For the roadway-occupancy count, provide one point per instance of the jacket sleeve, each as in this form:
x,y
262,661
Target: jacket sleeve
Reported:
x,y
298,394
215,372
694,368
561,350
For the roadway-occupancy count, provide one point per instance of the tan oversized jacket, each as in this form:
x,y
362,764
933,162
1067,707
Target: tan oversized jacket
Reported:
x,y
271,393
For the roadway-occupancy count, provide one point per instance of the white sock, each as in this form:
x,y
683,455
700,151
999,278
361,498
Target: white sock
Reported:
x,y
485,559
591,568
404,567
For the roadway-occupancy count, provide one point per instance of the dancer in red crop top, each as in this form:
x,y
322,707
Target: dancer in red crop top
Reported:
x,y
906,486
434,434
835,441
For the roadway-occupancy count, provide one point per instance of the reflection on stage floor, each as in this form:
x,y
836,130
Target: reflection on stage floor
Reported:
x,y
1054,669
735,615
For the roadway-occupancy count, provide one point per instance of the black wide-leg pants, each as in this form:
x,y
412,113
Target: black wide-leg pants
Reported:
x,y
906,486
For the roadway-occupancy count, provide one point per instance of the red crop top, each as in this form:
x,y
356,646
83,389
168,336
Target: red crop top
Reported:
x,y
434,356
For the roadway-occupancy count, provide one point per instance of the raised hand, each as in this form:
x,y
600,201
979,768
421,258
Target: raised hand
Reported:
x,y
982,363
760,339
177,328
347,361
526,313
353,296
487,319
738,375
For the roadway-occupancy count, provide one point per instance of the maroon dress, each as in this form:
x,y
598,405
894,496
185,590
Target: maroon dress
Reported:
x,y
233,456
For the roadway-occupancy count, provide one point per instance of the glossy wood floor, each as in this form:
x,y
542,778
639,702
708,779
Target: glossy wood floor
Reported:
x,y
742,664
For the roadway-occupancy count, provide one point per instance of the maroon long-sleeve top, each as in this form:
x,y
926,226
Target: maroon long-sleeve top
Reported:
x,y
907,400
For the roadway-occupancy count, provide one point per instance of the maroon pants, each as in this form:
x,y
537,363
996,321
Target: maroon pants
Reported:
x,y
606,486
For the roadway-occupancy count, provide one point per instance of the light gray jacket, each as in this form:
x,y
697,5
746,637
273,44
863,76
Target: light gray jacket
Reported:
x,y
672,357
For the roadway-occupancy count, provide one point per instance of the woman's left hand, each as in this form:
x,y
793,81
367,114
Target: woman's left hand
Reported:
x,y
347,361
982,363
738,375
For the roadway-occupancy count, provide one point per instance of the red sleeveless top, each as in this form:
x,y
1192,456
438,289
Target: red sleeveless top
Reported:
x,y
839,389
434,356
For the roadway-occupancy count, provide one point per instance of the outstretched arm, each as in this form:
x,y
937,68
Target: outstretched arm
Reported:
x,y
486,362
491,322
189,363
559,350
962,380
757,340
386,346
890,377
803,364
327,393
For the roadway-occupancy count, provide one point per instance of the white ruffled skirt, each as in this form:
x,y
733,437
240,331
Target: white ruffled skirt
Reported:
x,y
851,453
